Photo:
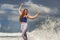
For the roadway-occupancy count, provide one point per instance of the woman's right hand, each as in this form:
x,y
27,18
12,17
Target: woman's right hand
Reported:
x,y
20,9
21,4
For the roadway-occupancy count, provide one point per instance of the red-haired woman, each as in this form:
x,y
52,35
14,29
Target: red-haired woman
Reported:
x,y
23,20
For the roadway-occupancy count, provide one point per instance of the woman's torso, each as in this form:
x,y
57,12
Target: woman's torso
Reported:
x,y
24,19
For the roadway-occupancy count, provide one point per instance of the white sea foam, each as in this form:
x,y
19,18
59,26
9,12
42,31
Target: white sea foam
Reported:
x,y
50,30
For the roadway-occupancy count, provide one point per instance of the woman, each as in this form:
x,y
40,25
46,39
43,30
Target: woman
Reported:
x,y
23,20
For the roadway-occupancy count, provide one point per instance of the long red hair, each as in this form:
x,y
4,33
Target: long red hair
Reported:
x,y
23,13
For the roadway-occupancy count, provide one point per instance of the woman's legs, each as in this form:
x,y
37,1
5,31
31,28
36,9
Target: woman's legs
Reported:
x,y
24,34
24,30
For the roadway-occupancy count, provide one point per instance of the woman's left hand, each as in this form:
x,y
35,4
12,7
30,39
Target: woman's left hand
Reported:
x,y
38,13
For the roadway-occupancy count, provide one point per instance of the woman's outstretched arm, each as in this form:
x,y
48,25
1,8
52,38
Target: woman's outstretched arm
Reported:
x,y
32,17
20,9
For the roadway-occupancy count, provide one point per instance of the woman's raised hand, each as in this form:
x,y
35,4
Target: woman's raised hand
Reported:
x,y
21,4
38,13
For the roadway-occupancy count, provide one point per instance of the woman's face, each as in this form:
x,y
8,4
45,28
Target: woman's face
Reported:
x,y
26,11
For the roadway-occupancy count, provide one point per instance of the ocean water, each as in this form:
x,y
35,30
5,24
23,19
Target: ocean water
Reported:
x,y
48,29
44,27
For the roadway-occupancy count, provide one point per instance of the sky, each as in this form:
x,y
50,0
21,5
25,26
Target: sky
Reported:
x,y
9,16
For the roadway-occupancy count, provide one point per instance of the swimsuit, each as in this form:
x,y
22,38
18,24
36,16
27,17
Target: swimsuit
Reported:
x,y
24,19
24,24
